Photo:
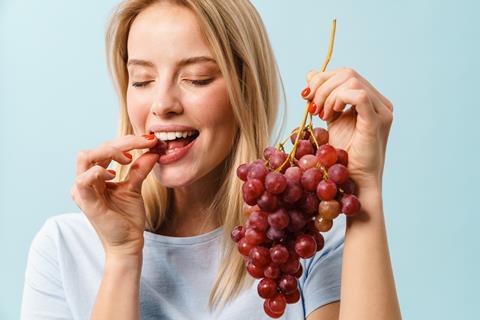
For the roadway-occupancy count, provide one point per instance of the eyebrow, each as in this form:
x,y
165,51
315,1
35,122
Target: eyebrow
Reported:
x,y
181,63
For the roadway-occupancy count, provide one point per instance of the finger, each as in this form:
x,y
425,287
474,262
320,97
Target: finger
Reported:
x,y
113,150
310,75
359,99
316,81
88,186
140,169
326,88
385,102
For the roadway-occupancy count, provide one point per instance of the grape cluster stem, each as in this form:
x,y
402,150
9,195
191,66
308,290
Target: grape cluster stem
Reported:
x,y
291,155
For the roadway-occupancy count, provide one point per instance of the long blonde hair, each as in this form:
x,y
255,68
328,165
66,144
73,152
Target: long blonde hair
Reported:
x,y
237,38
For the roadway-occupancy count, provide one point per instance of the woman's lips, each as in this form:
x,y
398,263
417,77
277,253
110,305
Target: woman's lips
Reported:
x,y
172,155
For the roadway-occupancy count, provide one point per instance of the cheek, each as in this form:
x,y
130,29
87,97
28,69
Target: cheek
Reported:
x,y
137,110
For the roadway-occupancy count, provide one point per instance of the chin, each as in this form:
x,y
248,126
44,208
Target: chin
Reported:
x,y
174,177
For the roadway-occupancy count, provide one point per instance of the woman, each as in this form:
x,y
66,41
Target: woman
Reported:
x,y
152,240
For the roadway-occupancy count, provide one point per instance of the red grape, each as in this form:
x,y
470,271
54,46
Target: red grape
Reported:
x,y
293,174
288,284
254,237
321,135
267,288
254,270
350,205
275,182
237,233
272,271
260,256
338,173
279,219
267,201
305,246
329,209
257,171
293,297
311,178
304,147
342,157
279,254
327,155
242,171
326,190
307,161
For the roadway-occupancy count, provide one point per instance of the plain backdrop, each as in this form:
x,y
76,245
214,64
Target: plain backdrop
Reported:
x,y
56,98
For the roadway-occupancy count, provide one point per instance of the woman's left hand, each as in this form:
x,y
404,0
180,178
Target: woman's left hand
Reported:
x,y
362,130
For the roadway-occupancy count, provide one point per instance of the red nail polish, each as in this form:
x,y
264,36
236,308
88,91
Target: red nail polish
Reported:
x,y
128,155
112,171
305,92
312,107
149,136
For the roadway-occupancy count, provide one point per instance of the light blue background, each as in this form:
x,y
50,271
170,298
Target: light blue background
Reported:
x,y
56,98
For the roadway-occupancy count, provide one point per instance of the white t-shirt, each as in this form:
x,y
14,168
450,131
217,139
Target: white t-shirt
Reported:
x,y
65,267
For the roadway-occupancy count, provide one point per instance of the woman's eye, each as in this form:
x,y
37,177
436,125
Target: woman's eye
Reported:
x,y
140,84
202,82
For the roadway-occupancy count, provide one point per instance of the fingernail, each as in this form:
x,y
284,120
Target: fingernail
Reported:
x,y
149,136
128,155
112,171
305,92
312,107
321,114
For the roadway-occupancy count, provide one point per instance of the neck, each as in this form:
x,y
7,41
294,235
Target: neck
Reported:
x,y
190,211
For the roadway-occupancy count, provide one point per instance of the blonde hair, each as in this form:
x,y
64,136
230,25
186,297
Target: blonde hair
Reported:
x,y
237,38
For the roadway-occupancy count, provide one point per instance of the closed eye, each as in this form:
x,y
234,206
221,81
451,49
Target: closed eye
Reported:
x,y
140,84
202,82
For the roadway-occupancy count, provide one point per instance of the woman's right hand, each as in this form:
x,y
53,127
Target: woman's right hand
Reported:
x,y
115,209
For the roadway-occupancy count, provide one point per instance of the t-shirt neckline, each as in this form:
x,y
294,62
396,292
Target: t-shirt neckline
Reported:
x,y
184,240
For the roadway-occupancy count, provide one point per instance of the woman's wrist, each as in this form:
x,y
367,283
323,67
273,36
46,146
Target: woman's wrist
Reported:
x,y
123,262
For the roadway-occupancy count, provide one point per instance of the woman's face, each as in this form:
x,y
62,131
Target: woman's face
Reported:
x,y
176,89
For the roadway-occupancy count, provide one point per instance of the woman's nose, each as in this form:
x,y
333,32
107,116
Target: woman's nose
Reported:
x,y
166,102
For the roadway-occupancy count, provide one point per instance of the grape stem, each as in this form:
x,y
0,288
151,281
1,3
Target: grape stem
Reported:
x,y
291,155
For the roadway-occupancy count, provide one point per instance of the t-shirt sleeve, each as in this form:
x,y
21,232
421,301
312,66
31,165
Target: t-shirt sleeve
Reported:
x,y
321,284
43,294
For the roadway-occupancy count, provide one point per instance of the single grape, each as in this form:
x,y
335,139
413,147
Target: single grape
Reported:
x,y
327,155
293,297
279,219
268,201
260,256
288,284
309,203
291,266
275,182
244,247
321,135
267,288
257,171
254,237
307,161
294,174
342,157
237,233
272,271
319,239
299,272
268,151
258,220
242,171
297,220
323,224
275,235
254,270
279,254
338,173
293,192
269,312
326,190
350,205
278,303
277,159
311,178
305,246
304,136
329,209
349,187
253,188
304,147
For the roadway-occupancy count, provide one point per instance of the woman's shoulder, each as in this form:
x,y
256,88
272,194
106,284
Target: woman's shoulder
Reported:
x,y
66,231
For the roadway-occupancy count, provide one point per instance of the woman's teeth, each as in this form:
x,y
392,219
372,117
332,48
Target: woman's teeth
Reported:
x,y
167,136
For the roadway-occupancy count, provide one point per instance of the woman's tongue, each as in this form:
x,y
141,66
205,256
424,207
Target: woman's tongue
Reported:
x,y
178,143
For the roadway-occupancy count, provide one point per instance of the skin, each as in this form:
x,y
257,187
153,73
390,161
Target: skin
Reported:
x,y
117,212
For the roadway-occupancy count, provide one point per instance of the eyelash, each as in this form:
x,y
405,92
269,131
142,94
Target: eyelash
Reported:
x,y
203,82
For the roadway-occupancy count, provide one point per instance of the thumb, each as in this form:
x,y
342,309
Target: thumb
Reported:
x,y
140,169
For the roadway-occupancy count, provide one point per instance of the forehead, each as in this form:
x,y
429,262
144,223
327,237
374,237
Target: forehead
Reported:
x,y
166,32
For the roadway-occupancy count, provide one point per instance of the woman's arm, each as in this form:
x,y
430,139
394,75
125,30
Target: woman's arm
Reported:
x,y
118,295
368,286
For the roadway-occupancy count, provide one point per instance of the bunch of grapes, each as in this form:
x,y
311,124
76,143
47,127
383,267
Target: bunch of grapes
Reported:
x,y
291,198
